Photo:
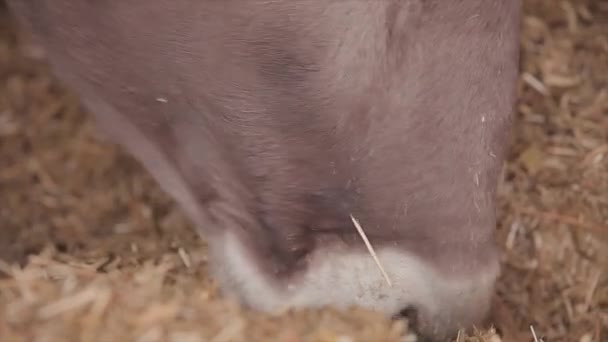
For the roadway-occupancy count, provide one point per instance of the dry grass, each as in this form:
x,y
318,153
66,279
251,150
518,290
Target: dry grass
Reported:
x,y
371,250
111,259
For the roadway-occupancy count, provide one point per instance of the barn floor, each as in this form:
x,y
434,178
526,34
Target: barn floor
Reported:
x,y
110,258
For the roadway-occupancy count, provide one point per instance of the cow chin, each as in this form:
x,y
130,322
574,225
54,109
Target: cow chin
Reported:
x,y
344,278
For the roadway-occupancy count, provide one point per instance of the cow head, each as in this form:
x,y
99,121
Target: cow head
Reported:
x,y
278,126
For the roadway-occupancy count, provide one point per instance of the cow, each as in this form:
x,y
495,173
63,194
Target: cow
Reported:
x,y
331,152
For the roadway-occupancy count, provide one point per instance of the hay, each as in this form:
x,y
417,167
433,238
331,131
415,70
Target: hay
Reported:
x,y
371,250
553,200
110,258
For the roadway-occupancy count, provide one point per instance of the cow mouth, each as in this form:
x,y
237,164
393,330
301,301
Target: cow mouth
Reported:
x,y
345,277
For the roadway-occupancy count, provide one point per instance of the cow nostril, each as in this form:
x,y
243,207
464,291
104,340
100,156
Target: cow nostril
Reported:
x,y
409,313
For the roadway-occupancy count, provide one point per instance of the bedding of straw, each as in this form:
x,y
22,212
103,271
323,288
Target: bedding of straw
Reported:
x,y
92,250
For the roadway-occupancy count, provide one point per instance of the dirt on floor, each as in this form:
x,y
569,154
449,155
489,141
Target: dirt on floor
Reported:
x,y
92,250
